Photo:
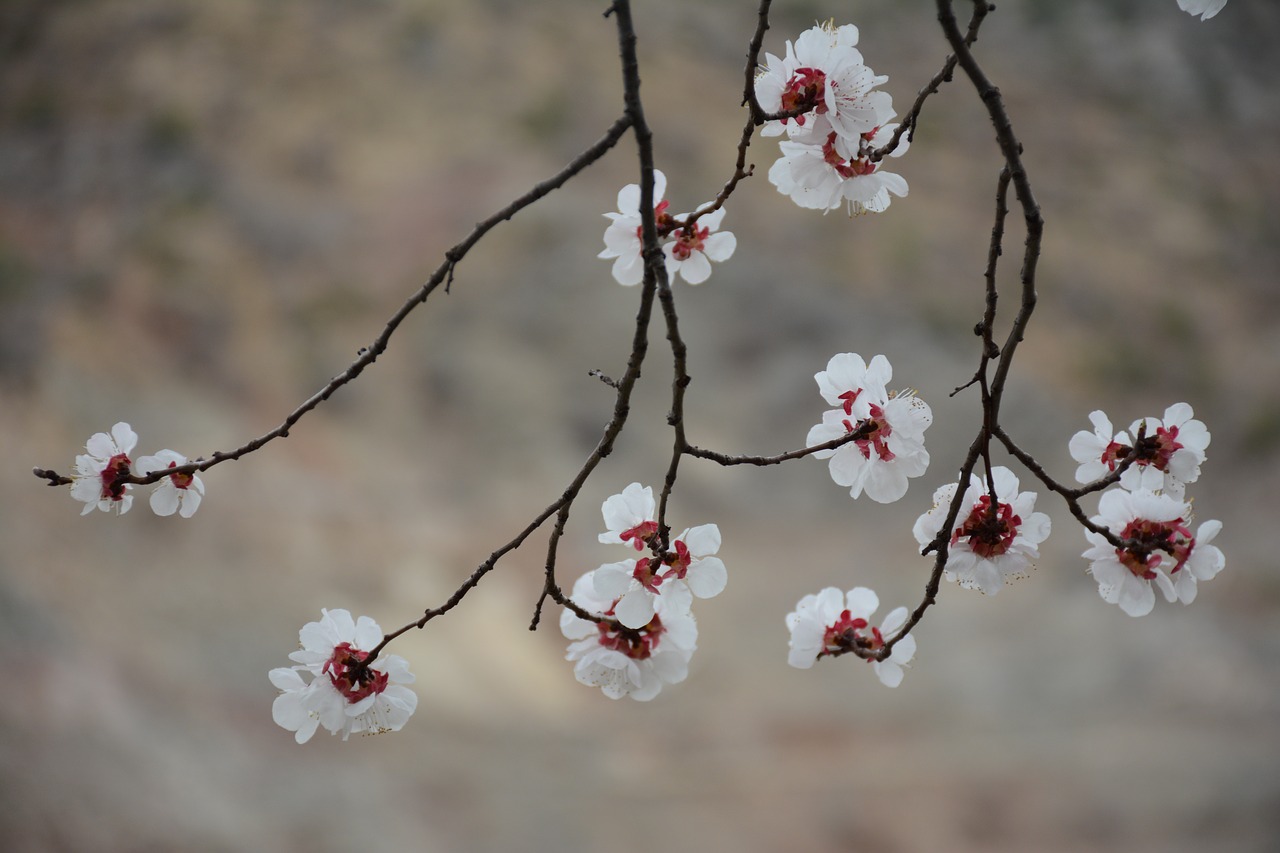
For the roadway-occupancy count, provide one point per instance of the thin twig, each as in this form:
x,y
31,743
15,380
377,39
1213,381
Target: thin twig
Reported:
x,y
368,355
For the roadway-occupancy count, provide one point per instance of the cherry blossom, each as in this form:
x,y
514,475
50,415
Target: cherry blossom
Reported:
x,y
624,661
343,694
688,569
848,377
832,623
622,239
630,517
890,426
822,74
1202,563
1163,550
98,480
690,254
1167,457
180,493
990,544
1204,8
829,171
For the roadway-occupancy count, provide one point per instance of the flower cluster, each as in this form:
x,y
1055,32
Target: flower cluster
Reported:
x,y
643,633
835,623
835,122
689,246
996,533
1148,510
103,476
889,428
1166,452
344,693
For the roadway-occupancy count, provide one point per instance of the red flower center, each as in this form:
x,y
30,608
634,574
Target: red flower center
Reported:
x,y
635,643
113,477
640,534
661,218
349,678
679,561
876,431
806,90
845,168
181,481
649,579
847,635
1156,450
990,531
1150,538
691,239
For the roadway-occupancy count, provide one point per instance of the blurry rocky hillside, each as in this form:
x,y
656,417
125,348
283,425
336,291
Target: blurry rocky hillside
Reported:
x,y
206,208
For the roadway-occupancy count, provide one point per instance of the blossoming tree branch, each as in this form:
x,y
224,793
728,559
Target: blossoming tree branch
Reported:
x,y
630,621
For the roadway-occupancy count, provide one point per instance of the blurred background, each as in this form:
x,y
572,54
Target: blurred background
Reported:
x,y
207,208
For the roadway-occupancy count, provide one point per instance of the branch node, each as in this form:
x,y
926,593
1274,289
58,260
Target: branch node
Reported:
x,y
600,374
54,478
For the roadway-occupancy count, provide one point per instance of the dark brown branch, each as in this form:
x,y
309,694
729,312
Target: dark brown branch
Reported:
x,y
655,279
755,117
723,459
1072,496
368,355
655,272
912,118
992,391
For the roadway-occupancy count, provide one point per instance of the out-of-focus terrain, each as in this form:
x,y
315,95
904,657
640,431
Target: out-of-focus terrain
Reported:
x,y
207,208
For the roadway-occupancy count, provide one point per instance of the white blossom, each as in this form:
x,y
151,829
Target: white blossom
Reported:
x,y
988,546
828,171
622,239
1167,457
343,694
694,247
832,622
622,661
823,75
1163,551
689,569
97,481
630,517
180,493
891,426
